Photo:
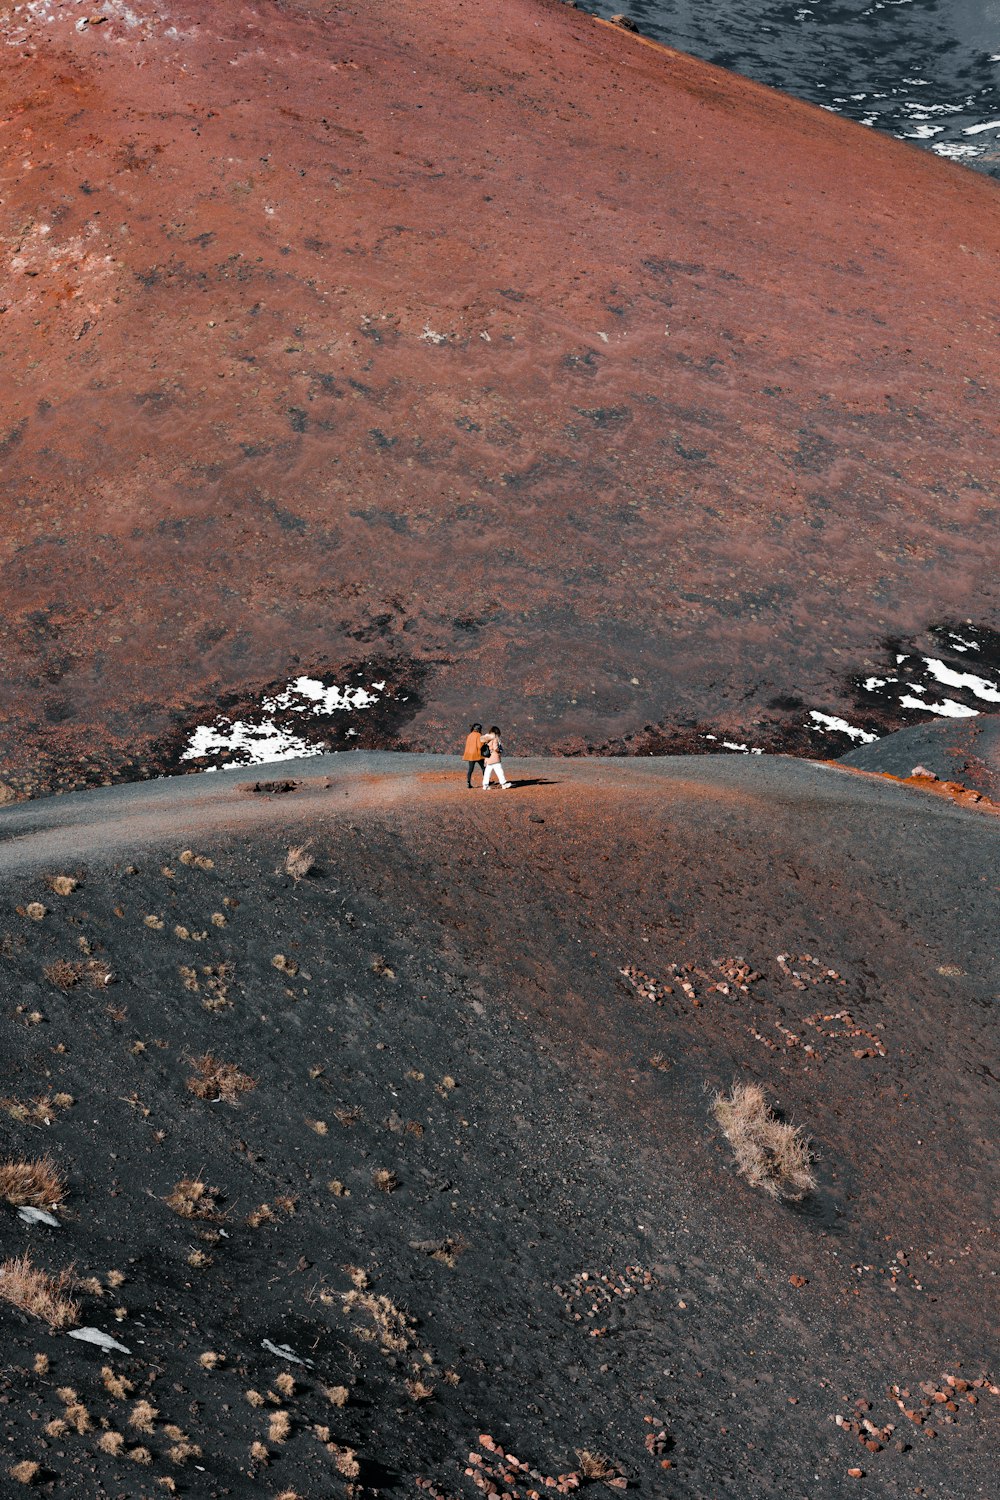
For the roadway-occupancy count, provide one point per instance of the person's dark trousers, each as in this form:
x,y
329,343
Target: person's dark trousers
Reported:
x,y
471,766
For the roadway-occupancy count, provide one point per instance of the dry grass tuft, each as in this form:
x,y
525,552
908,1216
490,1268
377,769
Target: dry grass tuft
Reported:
x,y
345,1460
119,1386
182,1451
36,1183
26,1472
419,1390
41,1364
596,1466
40,1111
200,861
259,1453
194,1199
38,1293
66,974
285,1384
111,1442
390,1324
210,1360
385,1180
78,1417
36,911
63,885
337,1395
140,1455
255,1398
279,1426
769,1154
143,1416
218,1080
299,862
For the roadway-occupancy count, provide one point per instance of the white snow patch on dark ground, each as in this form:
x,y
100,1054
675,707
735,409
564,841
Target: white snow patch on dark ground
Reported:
x,y
258,740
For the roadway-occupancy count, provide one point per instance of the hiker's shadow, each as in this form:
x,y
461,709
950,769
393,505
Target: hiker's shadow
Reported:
x,y
534,781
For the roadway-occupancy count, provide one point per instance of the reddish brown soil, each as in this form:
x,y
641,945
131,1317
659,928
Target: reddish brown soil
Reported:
x,y
493,342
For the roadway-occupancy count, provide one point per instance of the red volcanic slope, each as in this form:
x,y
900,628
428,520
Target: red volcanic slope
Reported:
x,y
598,385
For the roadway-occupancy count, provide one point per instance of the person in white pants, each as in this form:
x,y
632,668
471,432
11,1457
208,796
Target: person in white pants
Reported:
x,y
492,751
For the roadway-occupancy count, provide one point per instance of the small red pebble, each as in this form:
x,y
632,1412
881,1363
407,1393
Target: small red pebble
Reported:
x,y
798,1280
856,1473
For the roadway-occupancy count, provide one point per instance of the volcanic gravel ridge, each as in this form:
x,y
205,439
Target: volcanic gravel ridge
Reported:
x,y
619,396
399,1174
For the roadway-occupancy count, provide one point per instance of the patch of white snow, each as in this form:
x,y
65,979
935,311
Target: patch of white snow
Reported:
x,y
829,722
946,709
981,687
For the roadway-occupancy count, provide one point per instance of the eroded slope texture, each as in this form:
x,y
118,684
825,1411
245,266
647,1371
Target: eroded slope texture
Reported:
x,y
591,384
437,1119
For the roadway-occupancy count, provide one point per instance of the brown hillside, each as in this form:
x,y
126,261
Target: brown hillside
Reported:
x,y
532,363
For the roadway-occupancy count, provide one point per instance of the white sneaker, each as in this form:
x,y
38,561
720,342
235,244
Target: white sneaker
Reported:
x,y
507,785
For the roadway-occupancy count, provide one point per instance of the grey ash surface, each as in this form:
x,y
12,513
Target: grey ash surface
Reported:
x,y
450,1008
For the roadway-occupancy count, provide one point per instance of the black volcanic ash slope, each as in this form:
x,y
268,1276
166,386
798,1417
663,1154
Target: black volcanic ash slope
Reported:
x,y
475,1189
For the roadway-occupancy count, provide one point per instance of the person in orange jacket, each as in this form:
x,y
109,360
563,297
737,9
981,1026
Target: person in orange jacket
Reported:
x,y
473,752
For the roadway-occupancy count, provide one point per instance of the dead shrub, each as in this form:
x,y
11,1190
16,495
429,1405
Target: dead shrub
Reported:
x,y
36,1183
40,1111
769,1153
345,1460
278,1427
200,861
119,1386
385,1180
218,1080
594,1466
182,1451
143,1416
299,862
65,975
337,1395
38,1293
391,1326
63,885
194,1199
26,1472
